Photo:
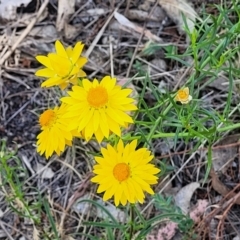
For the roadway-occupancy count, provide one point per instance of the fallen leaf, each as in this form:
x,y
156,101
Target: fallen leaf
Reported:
x,y
117,213
236,238
157,16
36,233
65,9
123,20
219,187
71,31
183,197
96,11
45,172
223,155
175,9
82,207
126,24
45,32
85,208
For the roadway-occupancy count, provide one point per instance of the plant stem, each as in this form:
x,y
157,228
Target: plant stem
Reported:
x,y
185,134
131,221
150,135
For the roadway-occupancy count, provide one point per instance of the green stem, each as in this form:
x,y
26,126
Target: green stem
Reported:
x,y
150,135
224,42
131,230
229,128
185,134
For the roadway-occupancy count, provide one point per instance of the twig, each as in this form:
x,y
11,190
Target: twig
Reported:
x,y
188,69
16,113
100,33
111,55
24,33
6,231
221,207
90,49
77,194
222,220
3,224
139,40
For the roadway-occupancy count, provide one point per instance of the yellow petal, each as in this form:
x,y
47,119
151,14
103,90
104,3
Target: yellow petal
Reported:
x,y
108,83
86,84
51,82
44,61
81,62
45,72
77,50
60,49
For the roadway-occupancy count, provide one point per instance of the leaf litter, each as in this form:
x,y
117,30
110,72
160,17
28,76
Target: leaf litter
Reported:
x,y
22,101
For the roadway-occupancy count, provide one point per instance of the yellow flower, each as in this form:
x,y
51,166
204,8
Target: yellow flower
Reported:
x,y
62,67
99,108
183,96
54,135
125,173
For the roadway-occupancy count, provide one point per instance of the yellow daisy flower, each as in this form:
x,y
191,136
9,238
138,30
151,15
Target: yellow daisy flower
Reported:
x,y
125,173
54,135
99,108
62,67
183,96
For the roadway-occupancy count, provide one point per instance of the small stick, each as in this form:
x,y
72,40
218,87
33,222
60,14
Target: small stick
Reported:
x,y
24,33
90,49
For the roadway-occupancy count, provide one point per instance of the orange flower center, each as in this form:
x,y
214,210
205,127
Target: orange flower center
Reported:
x,y
97,97
47,118
121,171
182,94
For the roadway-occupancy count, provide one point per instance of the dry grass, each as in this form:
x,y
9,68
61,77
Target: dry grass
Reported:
x,y
52,189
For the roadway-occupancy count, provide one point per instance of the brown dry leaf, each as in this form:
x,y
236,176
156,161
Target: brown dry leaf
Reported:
x,y
137,14
126,24
45,32
219,187
157,16
224,155
65,9
183,197
35,233
70,31
175,9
